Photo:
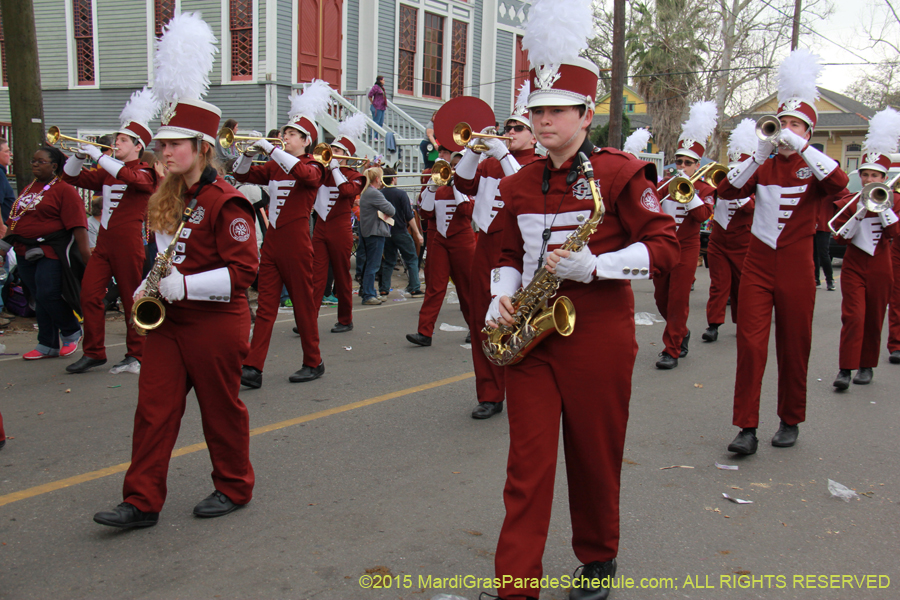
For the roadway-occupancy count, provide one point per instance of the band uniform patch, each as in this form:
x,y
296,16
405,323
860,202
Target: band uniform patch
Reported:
x,y
804,173
582,189
240,230
197,216
649,200
710,200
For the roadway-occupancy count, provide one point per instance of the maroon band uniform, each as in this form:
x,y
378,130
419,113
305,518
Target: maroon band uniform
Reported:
x,y
893,344
728,243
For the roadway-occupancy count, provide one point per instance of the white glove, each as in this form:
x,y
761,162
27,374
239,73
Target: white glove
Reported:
x,y
89,150
792,140
764,150
171,287
141,288
496,148
888,218
578,266
334,164
433,187
493,313
264,146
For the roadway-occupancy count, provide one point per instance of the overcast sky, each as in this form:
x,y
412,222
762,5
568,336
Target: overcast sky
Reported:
x,y
846,27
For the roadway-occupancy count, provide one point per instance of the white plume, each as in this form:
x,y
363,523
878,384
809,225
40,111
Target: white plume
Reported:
x,y
312,102
522,99
701,122
743,139
797,76
353,127
557,30
637,141
142,107
184,59
884,132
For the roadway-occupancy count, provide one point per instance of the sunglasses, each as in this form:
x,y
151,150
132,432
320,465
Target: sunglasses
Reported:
x,y
685,163
516,128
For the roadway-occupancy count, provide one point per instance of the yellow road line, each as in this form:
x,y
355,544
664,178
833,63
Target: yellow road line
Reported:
x,y
85,477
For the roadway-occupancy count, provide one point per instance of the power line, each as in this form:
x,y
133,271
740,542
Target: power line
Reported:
x,y
813,31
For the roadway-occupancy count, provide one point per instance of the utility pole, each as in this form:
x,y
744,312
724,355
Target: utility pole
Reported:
x,y
617,87
24,77
795,33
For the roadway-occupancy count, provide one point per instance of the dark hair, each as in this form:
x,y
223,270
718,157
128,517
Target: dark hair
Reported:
x,y
273,133
106,140
378,79
56,157
96,206
388,175
230,124
3,140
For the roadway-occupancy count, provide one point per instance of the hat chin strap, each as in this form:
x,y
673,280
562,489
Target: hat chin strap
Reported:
x,y
577,131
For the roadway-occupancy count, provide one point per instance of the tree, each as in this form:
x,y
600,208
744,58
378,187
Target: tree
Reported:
x,y
880,87
600,135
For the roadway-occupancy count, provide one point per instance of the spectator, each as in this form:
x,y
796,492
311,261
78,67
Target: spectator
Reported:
x,y
7,196
94,221
400,239
373,230
227,155
429,145
378,101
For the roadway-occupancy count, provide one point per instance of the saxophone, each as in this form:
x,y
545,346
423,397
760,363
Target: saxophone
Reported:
x,y
534,320
148,311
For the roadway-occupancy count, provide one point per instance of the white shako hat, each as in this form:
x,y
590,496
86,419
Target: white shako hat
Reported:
x,y
555,34
696,130
520,112
184,59
350,130
140,109
881,141
305,107
637,141
742,142
797,91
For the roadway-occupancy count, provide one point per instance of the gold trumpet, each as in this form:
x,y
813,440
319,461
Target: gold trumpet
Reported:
x,y
54,136
876,197
681,189
242,143
463,133
323,154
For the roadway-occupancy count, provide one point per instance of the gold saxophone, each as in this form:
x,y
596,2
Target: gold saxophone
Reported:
x,y
148,311
507,345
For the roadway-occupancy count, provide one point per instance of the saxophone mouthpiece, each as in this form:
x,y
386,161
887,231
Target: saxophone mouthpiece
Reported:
x,y
586,166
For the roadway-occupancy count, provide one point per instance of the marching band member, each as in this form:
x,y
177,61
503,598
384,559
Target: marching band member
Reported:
x,y
778,268
333,237
672,290
451,247
481,181
293,177
203,338
729,238
585,378
866,273
126,184
893,345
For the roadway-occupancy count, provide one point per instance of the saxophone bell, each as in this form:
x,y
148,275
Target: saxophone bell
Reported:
x,y
147,314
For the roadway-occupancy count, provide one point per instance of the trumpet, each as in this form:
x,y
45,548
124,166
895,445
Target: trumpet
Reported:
x,y
242,143
463,133
681,189
54,136
768,129
442,172
323,154
876,197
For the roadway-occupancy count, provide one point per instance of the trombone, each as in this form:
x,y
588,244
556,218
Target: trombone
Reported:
x,y
53,136
876,197
242,143
681,189
463,133
442,172
323,154
418,176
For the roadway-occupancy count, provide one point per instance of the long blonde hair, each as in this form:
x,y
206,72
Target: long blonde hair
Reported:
x,y
372,174
166,205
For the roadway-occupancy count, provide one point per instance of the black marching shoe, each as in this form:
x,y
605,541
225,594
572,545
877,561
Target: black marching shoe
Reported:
x,y
486,410
341,328
125,516
297,331
711,334
308,373
745,442
842,381
251,377
84,364
418,339
786,436
666,362
830,286
684,344
216,504
894,358
469,338
594,582
863,376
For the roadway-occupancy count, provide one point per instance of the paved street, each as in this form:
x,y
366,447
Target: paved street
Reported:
x,y
377,468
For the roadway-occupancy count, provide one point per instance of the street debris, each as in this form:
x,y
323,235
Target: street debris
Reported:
x,y
841,491
676,467
647,318
736,500
449,327
726,467
348,348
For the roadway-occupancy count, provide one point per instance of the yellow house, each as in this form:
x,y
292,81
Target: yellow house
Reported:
x,y
635,108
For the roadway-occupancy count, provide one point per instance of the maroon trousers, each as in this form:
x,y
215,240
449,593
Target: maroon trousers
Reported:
x,y
672,292
333,242
447,257
490,380
286,261
204,351
588,385
894,311
124,260
725,254
781,279
866,283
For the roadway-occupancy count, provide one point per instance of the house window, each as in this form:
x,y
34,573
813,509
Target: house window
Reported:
x,y
407,59
163,11
241,20
3,52
433,66
854,147
458,59
629,106
84,41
